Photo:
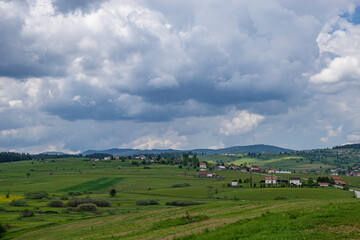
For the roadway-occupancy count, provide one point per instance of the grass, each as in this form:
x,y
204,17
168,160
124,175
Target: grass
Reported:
x,y
340,218
93,185
221,205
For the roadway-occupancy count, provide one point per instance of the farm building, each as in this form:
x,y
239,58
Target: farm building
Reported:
x,y
283,172
205,175
295,181
337,180
220,168
234,183
342,183
255,168
203,165
321,184
271,170
108,157
270,180
233,167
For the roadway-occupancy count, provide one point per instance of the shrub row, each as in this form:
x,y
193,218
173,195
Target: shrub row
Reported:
x,y
86,207
36,195
181,185
145,202
55,203
18,202
183,203
98,202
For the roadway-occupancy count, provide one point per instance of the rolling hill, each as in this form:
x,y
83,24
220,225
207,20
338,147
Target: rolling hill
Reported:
x,y
236,149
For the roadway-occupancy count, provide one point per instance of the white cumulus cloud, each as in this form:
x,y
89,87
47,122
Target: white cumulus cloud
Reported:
x,y
241,123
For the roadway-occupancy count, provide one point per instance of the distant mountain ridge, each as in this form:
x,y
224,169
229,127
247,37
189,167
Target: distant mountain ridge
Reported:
x,y
258,148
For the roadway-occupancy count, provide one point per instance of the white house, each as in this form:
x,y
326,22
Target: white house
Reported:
x,y
206,174
220,168
203,165
270,180
107,157
295,181
323,184
234,183
233,167
271,170
283,172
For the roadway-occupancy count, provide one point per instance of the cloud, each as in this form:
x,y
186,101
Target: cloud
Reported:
x,y
169,140
331,133
353,137
346,68
208,71
242,123
221,145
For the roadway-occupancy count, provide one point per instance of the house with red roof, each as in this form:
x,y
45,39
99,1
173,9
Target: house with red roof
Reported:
x,y
322,184
337,180
205,175
233,167
270,180
271,170
255,169
203,165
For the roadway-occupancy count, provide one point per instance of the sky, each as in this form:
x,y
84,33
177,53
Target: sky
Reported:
x,y
181,74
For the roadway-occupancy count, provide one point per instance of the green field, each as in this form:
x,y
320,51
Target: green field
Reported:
x,y
222,208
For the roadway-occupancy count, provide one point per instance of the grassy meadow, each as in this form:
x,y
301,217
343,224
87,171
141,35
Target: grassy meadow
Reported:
x,y
243,212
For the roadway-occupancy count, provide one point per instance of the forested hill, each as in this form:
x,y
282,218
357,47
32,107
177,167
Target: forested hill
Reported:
x,y
237,149
13,157
354,146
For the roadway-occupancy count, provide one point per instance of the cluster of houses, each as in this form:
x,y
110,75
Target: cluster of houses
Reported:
x,y
353,171
273,180
254,168
295,181
106,158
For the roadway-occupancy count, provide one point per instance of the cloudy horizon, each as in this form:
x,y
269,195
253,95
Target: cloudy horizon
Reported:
x,y
100,74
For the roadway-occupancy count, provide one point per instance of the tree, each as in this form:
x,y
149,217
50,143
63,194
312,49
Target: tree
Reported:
x,y
185,159
113,192
310,182
195,161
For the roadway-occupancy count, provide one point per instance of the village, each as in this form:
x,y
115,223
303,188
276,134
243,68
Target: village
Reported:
x,y
271,175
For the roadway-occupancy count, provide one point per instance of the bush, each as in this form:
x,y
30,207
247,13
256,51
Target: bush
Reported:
x,y
55,203
97,202
26,213
64,198
183,203
73,194
86,207
2,209
181,185
18,202
36,195
280,198
145,202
